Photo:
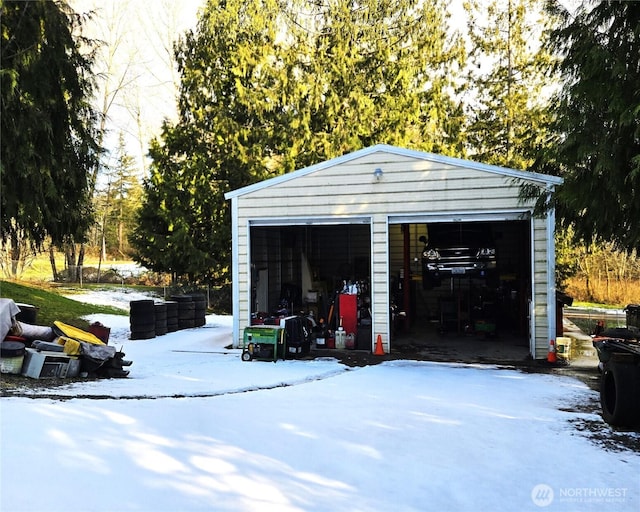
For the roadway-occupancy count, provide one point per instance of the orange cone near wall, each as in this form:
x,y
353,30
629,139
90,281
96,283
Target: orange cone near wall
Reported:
x,y
379,350
551,356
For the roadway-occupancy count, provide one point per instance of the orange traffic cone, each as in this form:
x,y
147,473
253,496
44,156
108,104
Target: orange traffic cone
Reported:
x,y
551,356
379,351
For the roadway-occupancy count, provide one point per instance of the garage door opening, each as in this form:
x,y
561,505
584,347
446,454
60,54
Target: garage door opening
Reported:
x,y
304,270
461,282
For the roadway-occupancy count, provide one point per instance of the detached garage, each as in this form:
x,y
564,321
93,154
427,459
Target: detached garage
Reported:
x,y
387,240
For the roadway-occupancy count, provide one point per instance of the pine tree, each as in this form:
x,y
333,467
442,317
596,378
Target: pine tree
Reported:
x,y
597,127
48,136
124,190
509,113
267,88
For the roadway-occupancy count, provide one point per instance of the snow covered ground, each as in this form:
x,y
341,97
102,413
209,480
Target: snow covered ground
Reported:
x,y
195,428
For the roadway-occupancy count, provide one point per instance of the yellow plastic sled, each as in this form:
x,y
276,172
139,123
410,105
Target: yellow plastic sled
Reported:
x,y
70,331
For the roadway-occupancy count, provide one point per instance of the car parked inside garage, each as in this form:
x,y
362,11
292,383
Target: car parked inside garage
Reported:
x,y
457,249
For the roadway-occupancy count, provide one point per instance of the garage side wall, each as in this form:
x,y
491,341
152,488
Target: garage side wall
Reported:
x,y
408,186
541,300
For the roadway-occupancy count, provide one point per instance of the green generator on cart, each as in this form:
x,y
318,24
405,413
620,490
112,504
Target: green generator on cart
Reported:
x,y
263,343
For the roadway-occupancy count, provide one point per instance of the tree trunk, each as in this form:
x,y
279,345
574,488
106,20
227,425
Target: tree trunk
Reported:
x,y
54,270
80,262
103,252
15,255
74,266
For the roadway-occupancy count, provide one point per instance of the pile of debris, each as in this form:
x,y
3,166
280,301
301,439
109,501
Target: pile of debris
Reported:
x,y
58,351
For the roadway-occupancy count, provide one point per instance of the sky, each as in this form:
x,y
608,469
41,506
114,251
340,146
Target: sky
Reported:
x,y
136,60
193,427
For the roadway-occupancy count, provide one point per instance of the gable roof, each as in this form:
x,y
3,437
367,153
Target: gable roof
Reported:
x,y
543,179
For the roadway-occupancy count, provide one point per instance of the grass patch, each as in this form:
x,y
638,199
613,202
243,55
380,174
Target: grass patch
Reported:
x,y
52,306
594,305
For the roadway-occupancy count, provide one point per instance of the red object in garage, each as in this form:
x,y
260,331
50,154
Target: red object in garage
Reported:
x,y
348,310
562,299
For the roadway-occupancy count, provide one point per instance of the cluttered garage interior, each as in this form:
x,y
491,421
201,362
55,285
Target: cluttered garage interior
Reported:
x,y
447,278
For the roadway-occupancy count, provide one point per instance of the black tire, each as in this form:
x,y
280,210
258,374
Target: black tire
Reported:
x,y
186,315
172,309
186,324
143,307
160,310
142,316
246,356
161,326
619,398
142,327
181,298
142,335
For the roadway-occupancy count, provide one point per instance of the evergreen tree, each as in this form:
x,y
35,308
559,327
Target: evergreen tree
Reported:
x,y
509,114
48,138
181,225
228,96
597,126
121,200
267,88
374,72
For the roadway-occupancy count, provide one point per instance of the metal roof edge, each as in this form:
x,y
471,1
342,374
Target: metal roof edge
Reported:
x,y
410,153
301,172
471,164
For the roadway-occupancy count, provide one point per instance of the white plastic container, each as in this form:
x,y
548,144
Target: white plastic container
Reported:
x,y
11,357
11,364
45,365
563,347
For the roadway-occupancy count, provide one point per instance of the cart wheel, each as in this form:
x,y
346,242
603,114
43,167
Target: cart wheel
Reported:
x,y
246,356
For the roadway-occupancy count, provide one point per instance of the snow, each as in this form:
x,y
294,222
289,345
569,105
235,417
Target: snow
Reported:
x,y
195,428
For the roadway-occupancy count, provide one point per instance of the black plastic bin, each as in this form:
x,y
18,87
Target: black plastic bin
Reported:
x,y
28,314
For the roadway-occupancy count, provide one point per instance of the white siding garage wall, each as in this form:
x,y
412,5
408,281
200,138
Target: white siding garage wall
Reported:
x,y
414,185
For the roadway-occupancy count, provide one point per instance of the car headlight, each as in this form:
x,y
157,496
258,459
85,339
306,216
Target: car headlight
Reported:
x,y
486,253
431,254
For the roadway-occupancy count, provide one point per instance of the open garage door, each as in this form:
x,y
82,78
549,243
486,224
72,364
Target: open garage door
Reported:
x,y
463,281
302,268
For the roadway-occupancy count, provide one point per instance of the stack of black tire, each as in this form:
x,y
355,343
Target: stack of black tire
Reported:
x,y
172,316
149,319
142,319
161,318
186,311
199,309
